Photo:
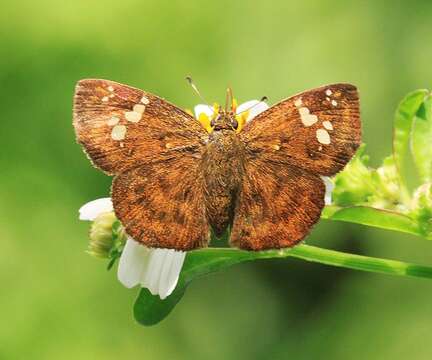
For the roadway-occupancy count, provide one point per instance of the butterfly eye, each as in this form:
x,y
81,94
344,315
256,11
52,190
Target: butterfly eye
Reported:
x,y
234,124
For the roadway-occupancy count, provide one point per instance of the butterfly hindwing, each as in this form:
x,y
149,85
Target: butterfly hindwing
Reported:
x,y
155,150
318,130
277,206
163,206
121,127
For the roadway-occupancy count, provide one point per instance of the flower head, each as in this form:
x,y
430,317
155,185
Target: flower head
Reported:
x,y
155,269
244,112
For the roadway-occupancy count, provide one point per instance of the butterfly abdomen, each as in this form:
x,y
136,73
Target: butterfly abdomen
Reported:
x,y
223,172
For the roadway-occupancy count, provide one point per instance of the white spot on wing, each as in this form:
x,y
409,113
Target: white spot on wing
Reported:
x,y
323,136
113,121
327,125
139,108
304,111
118,132
133,116
105,99
328,92
334,102
306,117
110,88
145,100
298,102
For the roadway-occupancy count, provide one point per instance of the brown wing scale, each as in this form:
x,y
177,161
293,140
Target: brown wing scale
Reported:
x,y
318,130
121,127
287,147
162,205
277,207
155,150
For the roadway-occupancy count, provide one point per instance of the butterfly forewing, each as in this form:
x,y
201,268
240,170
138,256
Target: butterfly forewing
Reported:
x,y
318,130
155,150
121,127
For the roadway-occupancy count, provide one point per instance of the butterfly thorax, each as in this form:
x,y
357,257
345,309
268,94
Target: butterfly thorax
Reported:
x,y
223,172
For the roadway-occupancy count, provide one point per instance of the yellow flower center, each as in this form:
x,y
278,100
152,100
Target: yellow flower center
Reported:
x,y
205,120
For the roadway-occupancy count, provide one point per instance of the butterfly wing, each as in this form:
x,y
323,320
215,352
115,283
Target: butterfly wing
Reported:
x,y
121,127
162,205
318,130
287,147
277,206
154,149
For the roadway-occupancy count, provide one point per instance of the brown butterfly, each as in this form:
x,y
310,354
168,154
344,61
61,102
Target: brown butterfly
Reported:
x,y
174,181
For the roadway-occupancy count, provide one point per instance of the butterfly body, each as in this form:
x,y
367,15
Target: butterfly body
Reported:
x,y
174,181
223,169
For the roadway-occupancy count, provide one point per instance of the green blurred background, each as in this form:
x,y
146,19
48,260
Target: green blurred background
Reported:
x,y
58,303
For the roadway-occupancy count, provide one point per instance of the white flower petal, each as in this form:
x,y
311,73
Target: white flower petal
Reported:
x,y
256,107
134,261
150,279
171,273
202,108
329,189
177,264
166,269
93,209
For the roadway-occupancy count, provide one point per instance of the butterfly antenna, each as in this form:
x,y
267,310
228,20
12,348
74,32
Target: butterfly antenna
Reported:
x,y
228,99
263,99
191,83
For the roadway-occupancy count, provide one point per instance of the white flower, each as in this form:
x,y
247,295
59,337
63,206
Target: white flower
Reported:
x,y
255,107
329,189
93,209
155,269
244,112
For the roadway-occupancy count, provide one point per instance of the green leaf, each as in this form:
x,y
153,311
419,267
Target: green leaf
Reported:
x,y
354,184
149,309
364,215
405,113
422,209
421,140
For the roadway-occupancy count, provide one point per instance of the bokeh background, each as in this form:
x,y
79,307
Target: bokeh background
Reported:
x,y
57,302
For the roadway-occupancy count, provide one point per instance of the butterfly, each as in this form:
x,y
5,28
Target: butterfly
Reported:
x,y
175,182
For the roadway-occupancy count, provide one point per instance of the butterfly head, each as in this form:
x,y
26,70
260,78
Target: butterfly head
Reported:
x,y
224,120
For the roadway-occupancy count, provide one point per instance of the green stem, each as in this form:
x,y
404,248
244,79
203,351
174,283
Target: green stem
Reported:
x,y
352,261
209,260
150,309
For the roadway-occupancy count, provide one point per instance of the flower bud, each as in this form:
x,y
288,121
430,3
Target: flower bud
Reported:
x,y
422,208
387,193
102,239
354,185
